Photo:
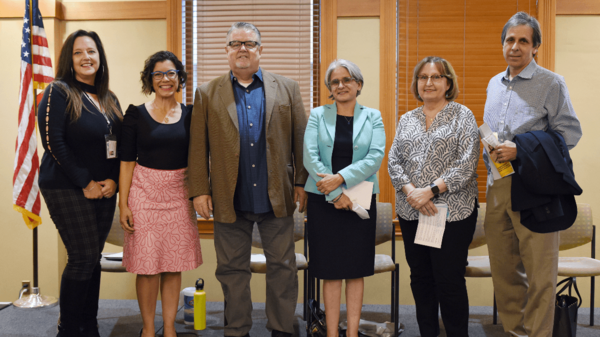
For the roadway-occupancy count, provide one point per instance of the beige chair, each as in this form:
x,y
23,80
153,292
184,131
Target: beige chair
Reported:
x,y
479,266
384,232
258,262
115,237
582,232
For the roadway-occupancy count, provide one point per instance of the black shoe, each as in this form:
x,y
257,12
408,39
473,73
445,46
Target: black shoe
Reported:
x,y
71,301
277,333
246,335
90,329
63,331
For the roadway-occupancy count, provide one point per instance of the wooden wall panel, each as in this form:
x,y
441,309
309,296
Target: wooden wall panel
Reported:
x,y
328,43
546,15
118,10
174,35
87,11
387,88
577,7
16,8
360,8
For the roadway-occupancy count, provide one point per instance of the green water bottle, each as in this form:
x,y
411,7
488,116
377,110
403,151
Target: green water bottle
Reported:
x,y
200,306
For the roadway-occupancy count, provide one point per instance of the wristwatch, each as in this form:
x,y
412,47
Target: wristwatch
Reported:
x,y
435,189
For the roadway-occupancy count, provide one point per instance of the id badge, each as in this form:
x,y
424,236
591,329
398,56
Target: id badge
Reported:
x,y
111,146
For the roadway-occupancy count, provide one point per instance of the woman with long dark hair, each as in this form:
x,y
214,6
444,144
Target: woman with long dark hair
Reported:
x,y
80,125
161,237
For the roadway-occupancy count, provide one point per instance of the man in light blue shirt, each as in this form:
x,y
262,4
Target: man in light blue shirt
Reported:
x,y
525,97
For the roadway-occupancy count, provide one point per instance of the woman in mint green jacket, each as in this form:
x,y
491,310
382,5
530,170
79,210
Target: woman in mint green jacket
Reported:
x,y
344,145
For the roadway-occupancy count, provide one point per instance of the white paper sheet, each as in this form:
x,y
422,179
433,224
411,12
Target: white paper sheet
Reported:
x,y
430,230
360,194
115,257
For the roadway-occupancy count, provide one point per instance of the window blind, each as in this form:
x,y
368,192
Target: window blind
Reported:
x,y
467,33
288,29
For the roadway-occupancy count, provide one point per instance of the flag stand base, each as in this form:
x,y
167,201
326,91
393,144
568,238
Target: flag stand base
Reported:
x,y
35,300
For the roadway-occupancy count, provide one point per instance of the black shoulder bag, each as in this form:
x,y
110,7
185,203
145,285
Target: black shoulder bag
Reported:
x,y
565,310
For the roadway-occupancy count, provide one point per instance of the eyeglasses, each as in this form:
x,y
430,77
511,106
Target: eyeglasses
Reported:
x,y
345,80
158,75
434,78
238,44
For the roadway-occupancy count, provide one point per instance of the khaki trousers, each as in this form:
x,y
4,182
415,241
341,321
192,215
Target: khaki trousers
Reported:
x,y
233,244
524,266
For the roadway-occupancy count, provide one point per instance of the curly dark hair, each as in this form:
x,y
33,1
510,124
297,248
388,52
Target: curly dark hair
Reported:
x,y
161,56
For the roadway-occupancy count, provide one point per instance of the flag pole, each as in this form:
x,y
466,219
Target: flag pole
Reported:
x,y
35,257
35,230
34,299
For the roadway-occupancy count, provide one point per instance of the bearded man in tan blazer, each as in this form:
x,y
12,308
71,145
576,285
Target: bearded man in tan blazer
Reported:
x,y
245,165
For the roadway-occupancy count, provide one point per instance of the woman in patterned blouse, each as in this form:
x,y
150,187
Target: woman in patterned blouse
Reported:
x,y
433,160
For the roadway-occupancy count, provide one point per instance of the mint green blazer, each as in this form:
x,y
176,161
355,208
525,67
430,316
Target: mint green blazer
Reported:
x,y
368,141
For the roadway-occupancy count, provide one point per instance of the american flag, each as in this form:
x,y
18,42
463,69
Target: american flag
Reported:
x,y
36,73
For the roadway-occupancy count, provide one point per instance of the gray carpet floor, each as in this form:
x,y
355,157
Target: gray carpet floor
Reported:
x,y
122,318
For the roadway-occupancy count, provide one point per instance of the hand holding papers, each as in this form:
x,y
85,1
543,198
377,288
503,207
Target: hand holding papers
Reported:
x,y
430,230
362,213
360,195
490,142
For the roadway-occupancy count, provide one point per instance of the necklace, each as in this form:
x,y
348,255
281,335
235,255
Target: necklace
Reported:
x,y
347,118
432,118
166,118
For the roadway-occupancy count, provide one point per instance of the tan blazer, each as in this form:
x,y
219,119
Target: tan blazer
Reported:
x,y
215,144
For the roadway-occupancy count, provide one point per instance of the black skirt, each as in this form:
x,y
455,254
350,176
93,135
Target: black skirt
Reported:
x,y
341,244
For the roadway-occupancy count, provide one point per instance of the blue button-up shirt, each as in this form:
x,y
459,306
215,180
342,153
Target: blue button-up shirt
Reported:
x,y
251,193
535,99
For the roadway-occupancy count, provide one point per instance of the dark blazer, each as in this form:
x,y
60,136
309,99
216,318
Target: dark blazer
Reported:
x,y
544,186
214,133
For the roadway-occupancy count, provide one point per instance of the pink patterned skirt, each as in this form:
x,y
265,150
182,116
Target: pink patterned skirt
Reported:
x,y
166,233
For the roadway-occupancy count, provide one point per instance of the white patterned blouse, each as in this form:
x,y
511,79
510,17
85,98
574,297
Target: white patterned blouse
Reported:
x,y
448,150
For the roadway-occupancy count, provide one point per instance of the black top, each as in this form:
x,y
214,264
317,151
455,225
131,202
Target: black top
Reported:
x,y
153,144
342,145
76,153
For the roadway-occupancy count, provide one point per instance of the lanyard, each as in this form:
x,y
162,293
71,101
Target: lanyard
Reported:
x,y
102,112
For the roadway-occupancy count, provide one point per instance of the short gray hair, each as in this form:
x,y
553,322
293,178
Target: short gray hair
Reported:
x,y
244,26
352,68
521,19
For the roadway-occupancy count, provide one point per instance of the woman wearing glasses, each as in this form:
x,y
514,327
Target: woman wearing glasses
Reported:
x,y
161,235
433,160
344,145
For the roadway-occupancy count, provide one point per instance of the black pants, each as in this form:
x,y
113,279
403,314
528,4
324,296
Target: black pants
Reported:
x,y
83,225
437,277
